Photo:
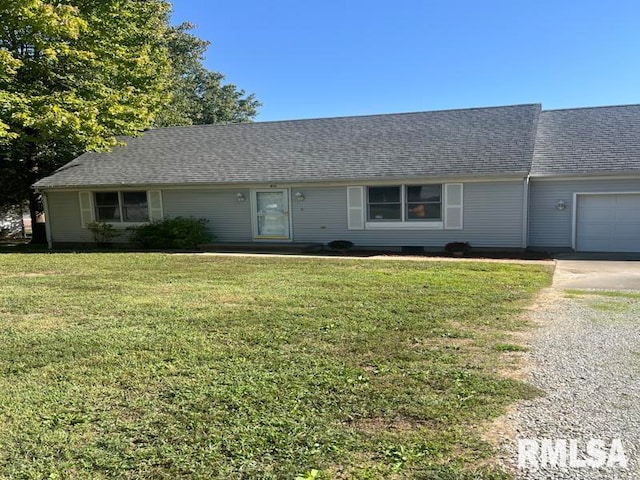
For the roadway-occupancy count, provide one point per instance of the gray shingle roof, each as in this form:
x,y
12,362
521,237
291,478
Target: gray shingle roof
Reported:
x,y
588,141
470,142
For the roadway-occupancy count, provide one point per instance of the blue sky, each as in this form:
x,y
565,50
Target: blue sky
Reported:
x,y
312,58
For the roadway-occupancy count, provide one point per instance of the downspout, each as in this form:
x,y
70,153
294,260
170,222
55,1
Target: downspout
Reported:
x,y
525,212
47,220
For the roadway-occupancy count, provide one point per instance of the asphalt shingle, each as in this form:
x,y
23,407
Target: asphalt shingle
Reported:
x,y
469,142
584,141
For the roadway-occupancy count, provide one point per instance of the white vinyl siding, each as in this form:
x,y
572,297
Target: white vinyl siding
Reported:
x,y
323,217
66,221
551,228
69,214
229,219
492,216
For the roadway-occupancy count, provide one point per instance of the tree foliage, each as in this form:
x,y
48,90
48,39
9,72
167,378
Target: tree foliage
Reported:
x,y
79,73
83,71
199,96
74,74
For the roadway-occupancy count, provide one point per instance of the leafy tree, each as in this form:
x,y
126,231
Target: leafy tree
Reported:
x,y
74,75
199,96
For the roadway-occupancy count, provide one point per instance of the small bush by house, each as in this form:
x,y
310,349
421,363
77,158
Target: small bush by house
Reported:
x,y
179,232
103,233
457,248
340,245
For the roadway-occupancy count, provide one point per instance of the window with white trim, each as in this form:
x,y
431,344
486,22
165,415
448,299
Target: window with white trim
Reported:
x,y
384,204
405,203
423,203
121,206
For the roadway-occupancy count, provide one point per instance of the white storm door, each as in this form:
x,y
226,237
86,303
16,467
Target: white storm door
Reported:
x,y
271,214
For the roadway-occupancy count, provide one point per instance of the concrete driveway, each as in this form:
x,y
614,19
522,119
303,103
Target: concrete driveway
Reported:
x,y
597,274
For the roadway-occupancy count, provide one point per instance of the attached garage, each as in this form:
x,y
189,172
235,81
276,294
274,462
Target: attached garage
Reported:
x,y
585,180
607,222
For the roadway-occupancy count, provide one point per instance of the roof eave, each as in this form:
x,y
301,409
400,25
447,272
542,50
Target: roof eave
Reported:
x,y
512,175
599,173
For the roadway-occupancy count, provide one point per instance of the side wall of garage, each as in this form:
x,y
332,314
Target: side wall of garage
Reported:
x,y
552,228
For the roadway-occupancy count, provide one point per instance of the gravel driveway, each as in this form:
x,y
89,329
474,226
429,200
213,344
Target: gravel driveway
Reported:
x,y
585,356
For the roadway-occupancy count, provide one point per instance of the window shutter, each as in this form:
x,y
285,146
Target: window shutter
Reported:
x,y
453,206
86,208
355,208
155,205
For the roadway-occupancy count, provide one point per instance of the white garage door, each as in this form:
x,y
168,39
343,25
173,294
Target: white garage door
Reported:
x,y
608,223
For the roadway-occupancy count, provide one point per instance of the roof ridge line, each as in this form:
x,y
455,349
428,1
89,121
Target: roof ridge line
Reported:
x,y
342,117
623,105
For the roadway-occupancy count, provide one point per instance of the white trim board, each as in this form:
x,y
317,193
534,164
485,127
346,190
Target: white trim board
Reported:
x,y
406,225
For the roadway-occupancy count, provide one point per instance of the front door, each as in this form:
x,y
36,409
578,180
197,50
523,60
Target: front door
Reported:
x,y
271,213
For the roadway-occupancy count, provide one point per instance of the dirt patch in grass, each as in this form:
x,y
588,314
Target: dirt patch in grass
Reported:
x,y
30,274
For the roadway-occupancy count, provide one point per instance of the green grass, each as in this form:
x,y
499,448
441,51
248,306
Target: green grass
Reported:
x,y
603,293
509,347
612,306
178,366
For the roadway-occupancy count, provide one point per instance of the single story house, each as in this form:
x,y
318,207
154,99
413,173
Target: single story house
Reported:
x,y
504,177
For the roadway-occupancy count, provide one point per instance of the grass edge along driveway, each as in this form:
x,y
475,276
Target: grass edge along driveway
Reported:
x,y
167,366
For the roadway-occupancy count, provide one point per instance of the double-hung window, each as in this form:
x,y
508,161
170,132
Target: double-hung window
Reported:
x,y
423,203
405,203
384,204
121,206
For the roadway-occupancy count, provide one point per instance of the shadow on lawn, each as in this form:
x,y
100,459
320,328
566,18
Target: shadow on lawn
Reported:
x,y
25,248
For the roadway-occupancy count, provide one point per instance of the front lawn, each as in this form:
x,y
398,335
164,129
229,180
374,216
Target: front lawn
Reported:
x,y
181,366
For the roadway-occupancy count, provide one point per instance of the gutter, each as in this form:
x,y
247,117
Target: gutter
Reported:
x,y
586,175
321,182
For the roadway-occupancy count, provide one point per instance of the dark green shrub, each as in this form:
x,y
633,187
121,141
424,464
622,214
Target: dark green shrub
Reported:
x,y
459,248
180,232
340,245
